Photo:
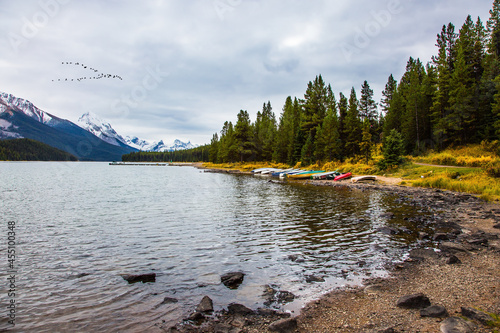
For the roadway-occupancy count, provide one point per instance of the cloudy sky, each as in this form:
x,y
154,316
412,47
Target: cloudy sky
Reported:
x,y
187,66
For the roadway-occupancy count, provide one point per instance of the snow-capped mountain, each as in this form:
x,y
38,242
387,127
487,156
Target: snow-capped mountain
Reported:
x,y
8,101
158,146
19,118
103,130
100,128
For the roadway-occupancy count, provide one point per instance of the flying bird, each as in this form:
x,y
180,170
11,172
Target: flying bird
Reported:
x,y
100,75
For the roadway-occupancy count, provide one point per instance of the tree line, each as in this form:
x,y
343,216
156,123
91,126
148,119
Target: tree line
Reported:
x,y
452,100
31,150
189,155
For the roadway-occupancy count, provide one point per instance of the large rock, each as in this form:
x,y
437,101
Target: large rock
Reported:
x,y
474,314
232,280
239,309
415,301
284,325
452,247
434,311
133,278
456,325
206,305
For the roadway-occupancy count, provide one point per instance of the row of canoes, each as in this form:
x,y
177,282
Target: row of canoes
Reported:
x,y
301,174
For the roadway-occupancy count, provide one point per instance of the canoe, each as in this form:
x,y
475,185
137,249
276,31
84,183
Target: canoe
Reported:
x,y
304,175
361,178
344,176
326,174
279,172
269,171
257,171
291,172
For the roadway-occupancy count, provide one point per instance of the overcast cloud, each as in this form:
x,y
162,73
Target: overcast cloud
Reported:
x,y
187,66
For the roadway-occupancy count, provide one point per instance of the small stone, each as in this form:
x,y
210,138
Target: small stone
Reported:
x,y
434,311
313,278
452,260
456,325
440,237
284,325
206,305
415,301
196,316
497,226
232,280
169,300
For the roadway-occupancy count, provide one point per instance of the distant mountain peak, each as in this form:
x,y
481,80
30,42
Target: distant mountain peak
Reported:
x,y
10,101
102,129
158,146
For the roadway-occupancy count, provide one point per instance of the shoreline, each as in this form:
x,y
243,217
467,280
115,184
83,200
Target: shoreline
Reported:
x,y
463,273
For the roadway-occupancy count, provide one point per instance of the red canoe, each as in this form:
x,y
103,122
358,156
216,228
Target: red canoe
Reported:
x,y
345,175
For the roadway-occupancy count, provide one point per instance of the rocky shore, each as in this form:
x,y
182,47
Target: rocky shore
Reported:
x,y
453,288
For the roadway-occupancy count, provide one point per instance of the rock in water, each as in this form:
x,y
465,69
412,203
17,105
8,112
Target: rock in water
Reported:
x,y
232,280
415,301
206,305
133,278
456,325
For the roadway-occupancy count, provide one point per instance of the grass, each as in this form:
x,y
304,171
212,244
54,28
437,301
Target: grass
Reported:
x,y
473,169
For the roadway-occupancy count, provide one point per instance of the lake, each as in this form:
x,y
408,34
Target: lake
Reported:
x,y
80,226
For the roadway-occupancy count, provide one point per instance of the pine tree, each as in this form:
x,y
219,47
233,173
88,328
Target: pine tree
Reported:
x,y
243,136
366,144
214,149
343,106
392,150
352,128
388,93
328,138
367,106
444,62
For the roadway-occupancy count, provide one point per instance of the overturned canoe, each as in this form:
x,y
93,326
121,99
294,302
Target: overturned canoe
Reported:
x,y
361,178
344,176
304,175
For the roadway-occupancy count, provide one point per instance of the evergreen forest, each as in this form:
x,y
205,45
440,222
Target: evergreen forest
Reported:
x,y
452,100
31,150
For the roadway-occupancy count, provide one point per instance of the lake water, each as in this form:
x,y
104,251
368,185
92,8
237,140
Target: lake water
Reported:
x,y
80,226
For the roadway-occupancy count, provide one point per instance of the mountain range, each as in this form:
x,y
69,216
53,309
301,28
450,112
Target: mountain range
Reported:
x,y
91,139
102,129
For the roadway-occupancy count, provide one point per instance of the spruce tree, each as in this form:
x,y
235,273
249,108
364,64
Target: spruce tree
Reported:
x,y
352,128
367,106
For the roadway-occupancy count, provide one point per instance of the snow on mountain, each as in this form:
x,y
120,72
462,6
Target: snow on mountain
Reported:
x,y
158,146
100,128
8,101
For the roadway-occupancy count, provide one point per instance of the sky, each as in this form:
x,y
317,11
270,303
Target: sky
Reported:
x,y
180,69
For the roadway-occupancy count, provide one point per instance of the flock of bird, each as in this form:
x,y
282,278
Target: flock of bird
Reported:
x,y
99,76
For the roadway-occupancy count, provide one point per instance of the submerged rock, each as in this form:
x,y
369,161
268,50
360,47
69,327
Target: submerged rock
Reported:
x,y
134,278
232,280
